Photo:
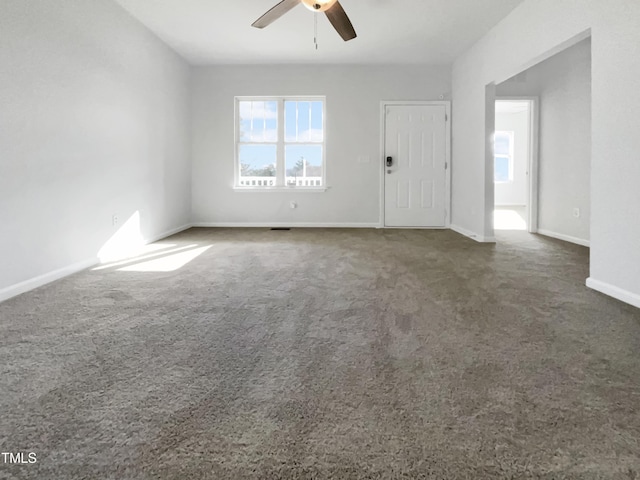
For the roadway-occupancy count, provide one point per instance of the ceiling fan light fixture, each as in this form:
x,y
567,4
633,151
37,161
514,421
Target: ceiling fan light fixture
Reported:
x,y
331,8
318,5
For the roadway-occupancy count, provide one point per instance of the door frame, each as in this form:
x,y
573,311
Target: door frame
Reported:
x,y
381,168
532,161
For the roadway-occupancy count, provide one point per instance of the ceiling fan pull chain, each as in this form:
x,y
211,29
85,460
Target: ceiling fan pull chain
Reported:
x,y
315,30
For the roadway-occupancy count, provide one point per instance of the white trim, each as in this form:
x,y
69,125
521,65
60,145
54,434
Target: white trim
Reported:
x,y
447,194
613,291
41,280
562,236
533,161
415,228
280,189
472,235
167,233
534,164
282,225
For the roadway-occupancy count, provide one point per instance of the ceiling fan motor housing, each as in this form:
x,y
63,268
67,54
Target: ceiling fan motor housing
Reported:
x,y
318,5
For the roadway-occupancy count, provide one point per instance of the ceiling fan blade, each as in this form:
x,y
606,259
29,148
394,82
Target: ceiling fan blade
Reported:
x,y
275,13
338,18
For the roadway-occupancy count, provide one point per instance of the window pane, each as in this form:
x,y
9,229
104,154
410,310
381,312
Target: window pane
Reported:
x,y
502,143
257,161
291,129
317,134
303,164
271,130
258,121
303,121
245,130
501,169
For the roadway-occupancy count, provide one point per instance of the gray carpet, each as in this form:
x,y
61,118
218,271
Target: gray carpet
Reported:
x,y
325,354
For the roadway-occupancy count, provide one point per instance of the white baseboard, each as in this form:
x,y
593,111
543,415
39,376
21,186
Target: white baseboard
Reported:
x,y
33,283
472,235
284,225
168,233
412,228
562,236
40,280
615,292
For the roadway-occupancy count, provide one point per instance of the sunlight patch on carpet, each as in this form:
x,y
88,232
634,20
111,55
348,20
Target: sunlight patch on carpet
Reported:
x,y
505,219
167,263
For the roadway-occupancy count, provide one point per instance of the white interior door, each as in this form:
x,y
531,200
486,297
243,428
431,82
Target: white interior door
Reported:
x,y
415,181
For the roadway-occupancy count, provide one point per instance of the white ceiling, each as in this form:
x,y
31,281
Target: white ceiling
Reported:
x,y
209,32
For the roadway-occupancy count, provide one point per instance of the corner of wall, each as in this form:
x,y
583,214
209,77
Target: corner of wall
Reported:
x,y
472,235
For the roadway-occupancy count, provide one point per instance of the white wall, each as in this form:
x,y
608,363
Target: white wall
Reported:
x,y
563,85
533,32
515,192
353,96
94,122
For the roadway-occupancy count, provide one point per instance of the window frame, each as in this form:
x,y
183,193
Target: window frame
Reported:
x,y
509,156
281,143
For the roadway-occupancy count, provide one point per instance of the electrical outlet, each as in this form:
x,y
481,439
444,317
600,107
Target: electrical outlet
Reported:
x,y
576,212
114,220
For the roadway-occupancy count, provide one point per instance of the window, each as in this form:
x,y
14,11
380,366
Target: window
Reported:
x,y
280,143
503,157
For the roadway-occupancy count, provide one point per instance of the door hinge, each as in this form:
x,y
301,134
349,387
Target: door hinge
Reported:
x,y
446,117
446,165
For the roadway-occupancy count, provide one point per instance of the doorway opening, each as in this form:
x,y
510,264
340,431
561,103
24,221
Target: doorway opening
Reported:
x,y
515,164
560,168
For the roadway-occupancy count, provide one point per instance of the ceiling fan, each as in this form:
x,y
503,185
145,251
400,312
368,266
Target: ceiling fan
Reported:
x,y
332,9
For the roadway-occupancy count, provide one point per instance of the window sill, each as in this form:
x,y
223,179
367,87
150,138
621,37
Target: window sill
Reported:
x,y
281,189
